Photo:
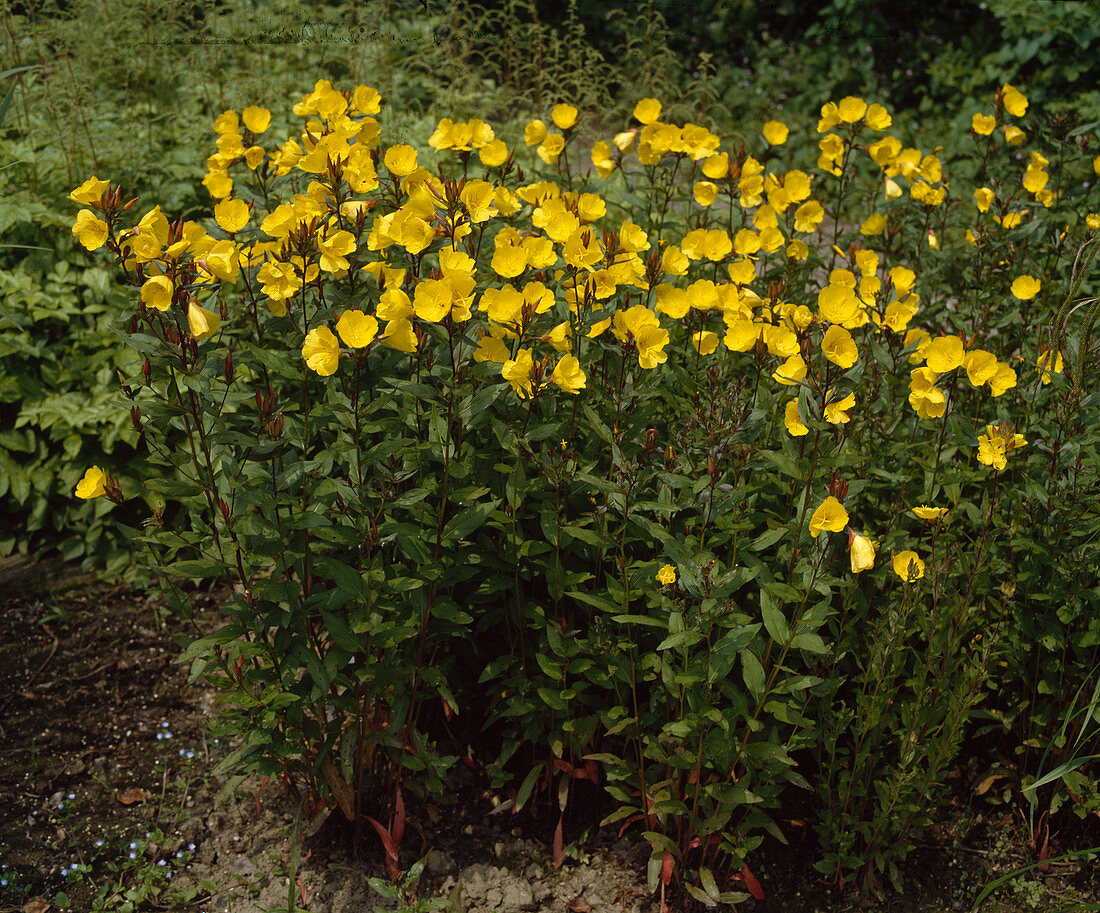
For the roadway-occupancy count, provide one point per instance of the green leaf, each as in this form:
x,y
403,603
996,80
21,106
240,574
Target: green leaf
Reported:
x,y
466,521
768,539
753,673
202,569
774,621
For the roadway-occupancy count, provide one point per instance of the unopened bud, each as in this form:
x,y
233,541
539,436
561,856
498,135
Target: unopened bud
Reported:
x,y
229,367
147,370
224,508
135,418
129,204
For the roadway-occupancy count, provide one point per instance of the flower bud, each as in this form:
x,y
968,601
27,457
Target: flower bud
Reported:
x,y
146,370
135,418
130,204
229,367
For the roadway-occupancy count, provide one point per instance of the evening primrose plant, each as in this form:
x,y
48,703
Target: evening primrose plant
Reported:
x,y
656,465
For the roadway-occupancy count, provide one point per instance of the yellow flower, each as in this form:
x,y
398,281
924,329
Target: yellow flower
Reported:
x,y
929,513
830,517
400,335
1014,101
91,191
706,192
980,366
793,420
564,116
256,119
944,353
231,215
775,132
983,124
647,110
808,216
334,249
908,566
839,347
641,324
1025,287
534,133
836,413
493,154
861,551
994,445
1049,363
518,372
984,197
218,183
156,292
791,372
705,341
568,374
356,329
602,159
666,575
873,225
851,109
201,322
93,485
878,118
551,147
925,397
89,230
400,160
321,351
1004,379
1014,136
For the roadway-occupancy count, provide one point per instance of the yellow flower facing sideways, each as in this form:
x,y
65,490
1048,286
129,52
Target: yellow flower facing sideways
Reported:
x,y
93,485
666,575
321,350
861,551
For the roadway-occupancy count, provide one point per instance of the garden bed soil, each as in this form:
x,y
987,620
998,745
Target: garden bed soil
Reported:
x,y
102,739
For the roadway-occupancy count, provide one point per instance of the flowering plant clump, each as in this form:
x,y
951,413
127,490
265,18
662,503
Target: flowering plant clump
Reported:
x,y
506,451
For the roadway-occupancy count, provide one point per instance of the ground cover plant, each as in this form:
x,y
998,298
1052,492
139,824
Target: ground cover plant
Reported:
x,y
592,457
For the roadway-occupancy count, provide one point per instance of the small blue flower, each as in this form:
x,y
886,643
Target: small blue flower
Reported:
x,y
133,855
191,847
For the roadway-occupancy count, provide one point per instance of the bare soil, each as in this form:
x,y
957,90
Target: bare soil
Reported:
x,y
109,799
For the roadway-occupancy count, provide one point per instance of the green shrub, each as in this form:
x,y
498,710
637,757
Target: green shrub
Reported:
x,y
556,482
